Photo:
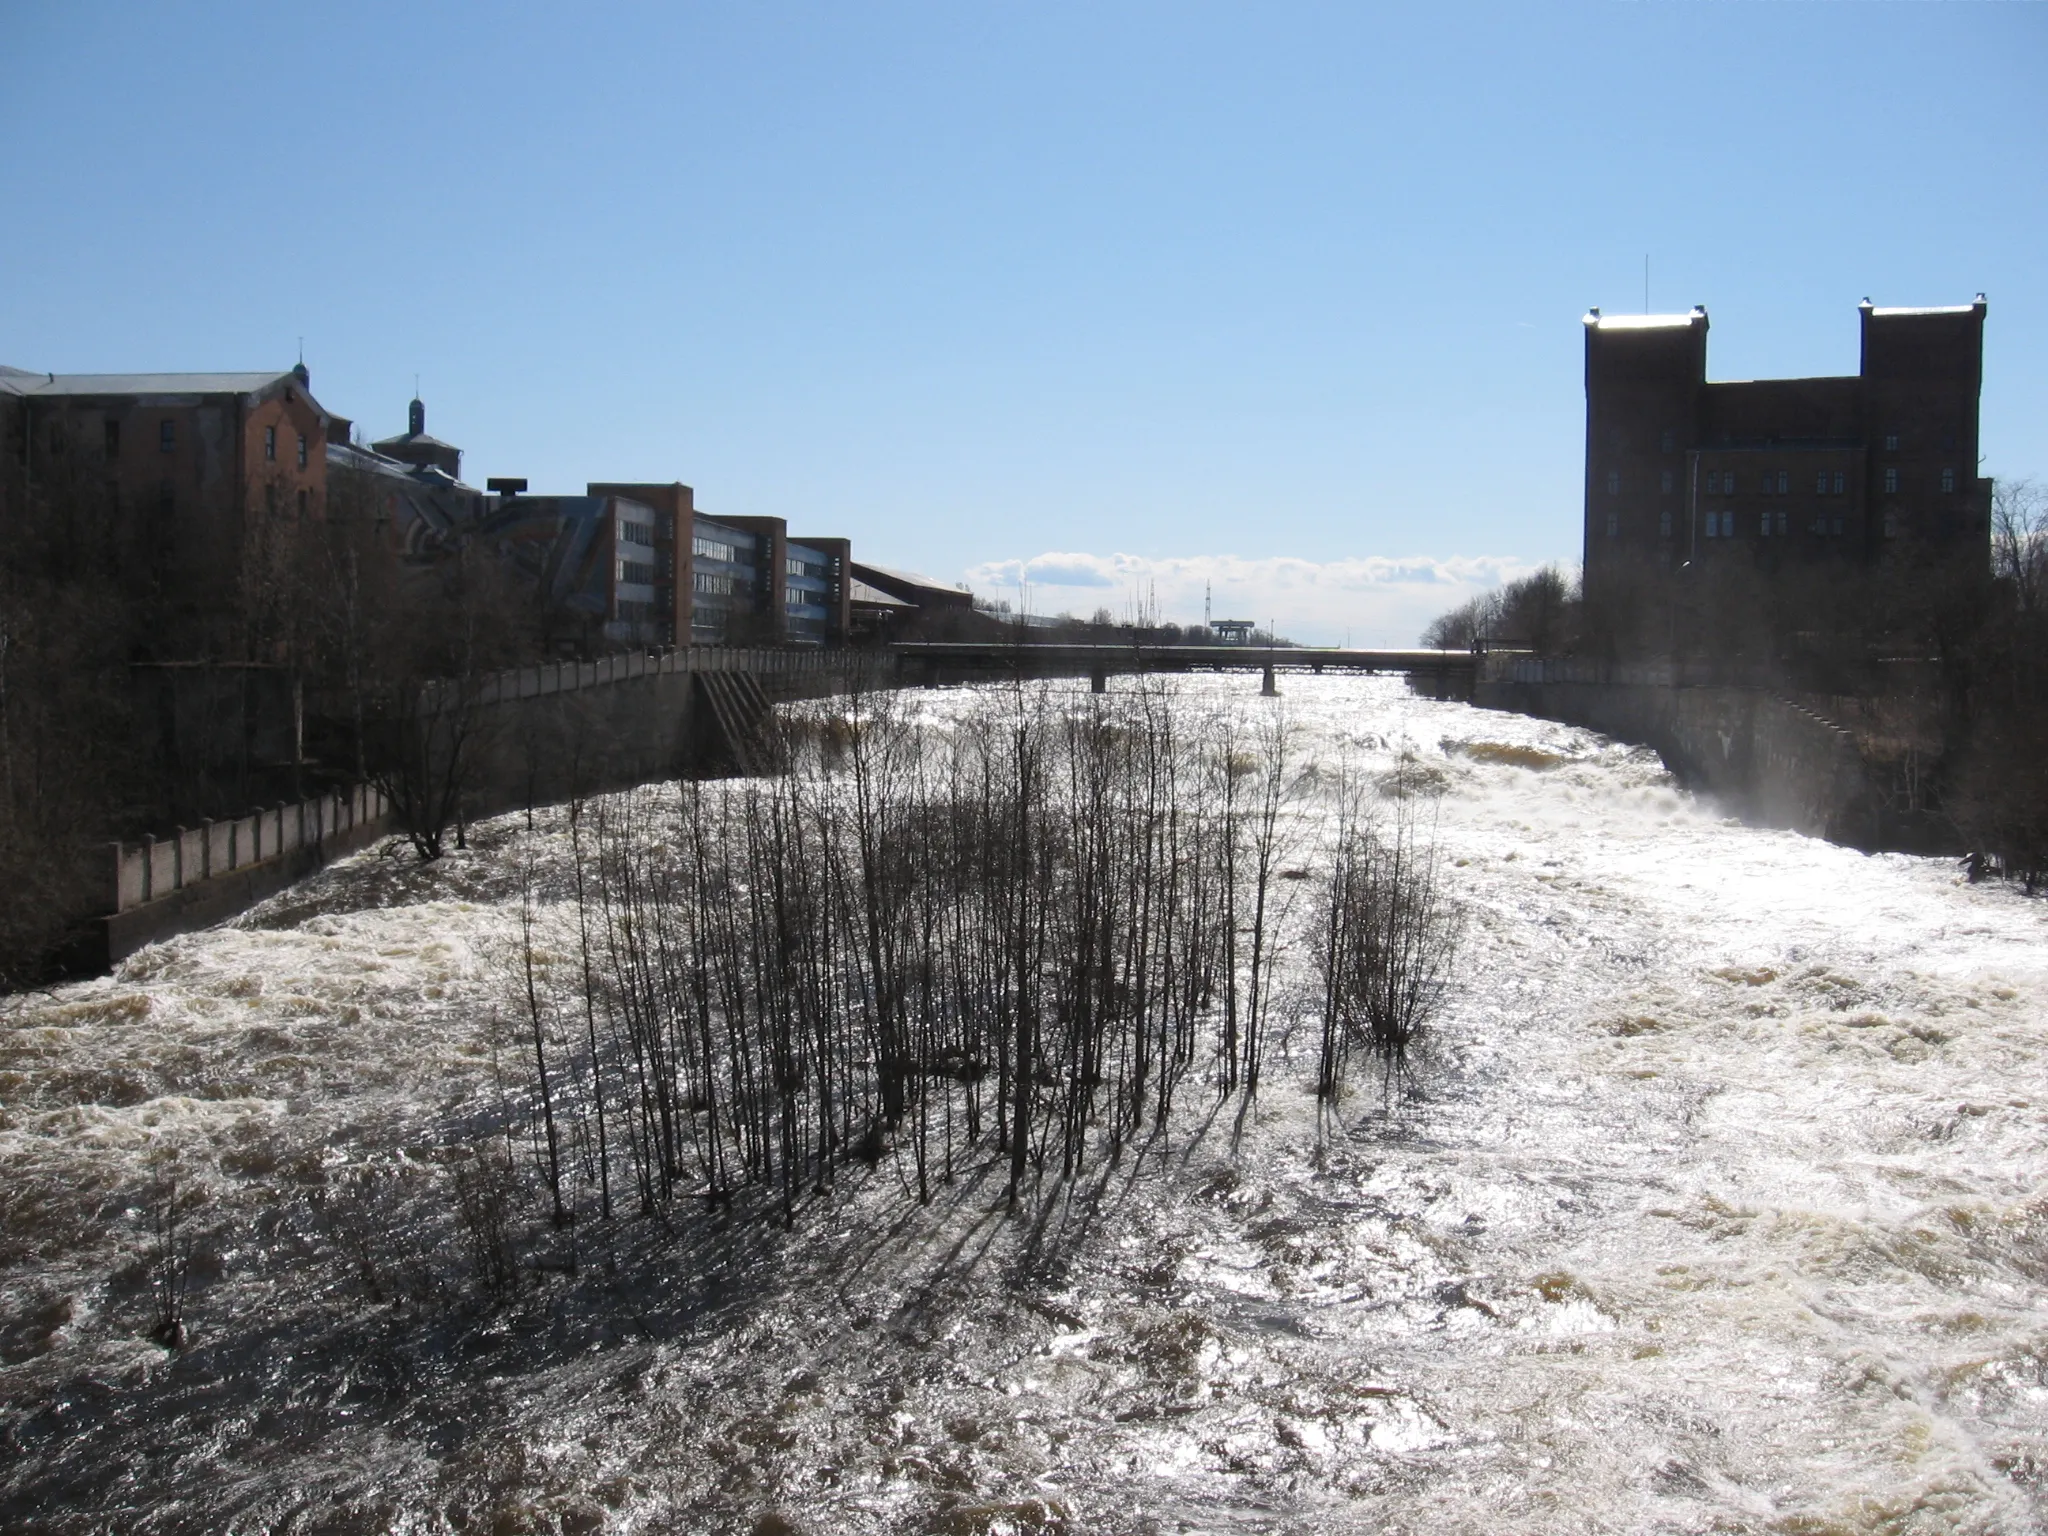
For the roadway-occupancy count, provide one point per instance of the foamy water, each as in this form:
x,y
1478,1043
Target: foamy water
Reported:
x,y
1717,1204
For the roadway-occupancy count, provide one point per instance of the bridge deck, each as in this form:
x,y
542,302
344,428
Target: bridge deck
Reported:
x,y
1190,658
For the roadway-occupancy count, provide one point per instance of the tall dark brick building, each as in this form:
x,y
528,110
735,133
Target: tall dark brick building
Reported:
x,y
1878,467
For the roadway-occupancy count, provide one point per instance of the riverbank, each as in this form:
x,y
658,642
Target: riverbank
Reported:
x,y
1714,1201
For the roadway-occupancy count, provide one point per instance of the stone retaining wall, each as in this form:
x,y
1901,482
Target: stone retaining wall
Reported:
x,y
1770,760
539,735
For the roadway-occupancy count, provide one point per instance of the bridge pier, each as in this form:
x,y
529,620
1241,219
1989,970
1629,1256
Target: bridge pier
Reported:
x,y
1269,688
1098,678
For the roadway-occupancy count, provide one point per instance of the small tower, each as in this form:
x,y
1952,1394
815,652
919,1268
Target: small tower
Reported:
x,y
418,449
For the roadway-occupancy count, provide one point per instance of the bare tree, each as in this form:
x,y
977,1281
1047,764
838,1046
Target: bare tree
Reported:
x,y
2019,540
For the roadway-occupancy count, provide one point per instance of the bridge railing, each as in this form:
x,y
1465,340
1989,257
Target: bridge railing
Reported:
x,y
1193,657
625,666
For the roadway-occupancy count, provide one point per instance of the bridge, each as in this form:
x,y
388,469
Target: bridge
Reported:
x,y
936,661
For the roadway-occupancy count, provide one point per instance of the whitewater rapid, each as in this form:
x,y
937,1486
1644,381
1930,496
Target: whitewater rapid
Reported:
x,y
1715,1203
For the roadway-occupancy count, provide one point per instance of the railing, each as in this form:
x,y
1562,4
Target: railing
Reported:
x,y
568,676
158,867
1507,667
1165,657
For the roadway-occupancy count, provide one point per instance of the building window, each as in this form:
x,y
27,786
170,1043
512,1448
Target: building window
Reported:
x,y
1891,442
1727,525
1838,527
1784,524
712,549
637,533
167,436
1820,483
302,450
1713,525
1841,481
711,585
1664,522
1891,481
1614,482
1765,528
1891,525
270,443
1613,525
1665,482
638,571
1784,482
1669,442
1948,479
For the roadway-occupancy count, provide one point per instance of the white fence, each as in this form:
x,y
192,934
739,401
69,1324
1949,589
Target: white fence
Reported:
x,y
158,867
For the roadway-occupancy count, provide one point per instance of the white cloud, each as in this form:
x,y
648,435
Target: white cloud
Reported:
x,y
1379,601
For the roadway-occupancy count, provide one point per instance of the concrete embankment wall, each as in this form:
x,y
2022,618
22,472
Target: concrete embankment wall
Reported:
x,y
536,736
1769,760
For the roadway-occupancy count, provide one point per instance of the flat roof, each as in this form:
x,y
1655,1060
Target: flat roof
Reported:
x,y
1644,322
1893,312
21,381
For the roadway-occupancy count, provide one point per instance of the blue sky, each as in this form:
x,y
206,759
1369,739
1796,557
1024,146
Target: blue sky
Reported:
x,y
1118,298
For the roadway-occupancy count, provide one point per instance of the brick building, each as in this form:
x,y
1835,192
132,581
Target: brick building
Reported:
x,y
1877,467
408,489
197,475
739,580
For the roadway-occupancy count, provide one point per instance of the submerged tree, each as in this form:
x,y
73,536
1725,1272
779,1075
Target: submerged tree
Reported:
x,y
1011,937
1387,937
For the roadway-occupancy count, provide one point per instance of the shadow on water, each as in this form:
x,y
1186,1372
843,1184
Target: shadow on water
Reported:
x,y
257,1422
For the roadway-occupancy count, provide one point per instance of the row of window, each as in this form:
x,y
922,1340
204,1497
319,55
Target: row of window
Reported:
x,y
1778,482
712,585
1769,524
636,533
270,500
795,567
1721,525
1891,480
713,549
1668,440
641,571
269,442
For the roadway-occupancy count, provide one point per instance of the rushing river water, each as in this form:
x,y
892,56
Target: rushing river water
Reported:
x,y
1716,1203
